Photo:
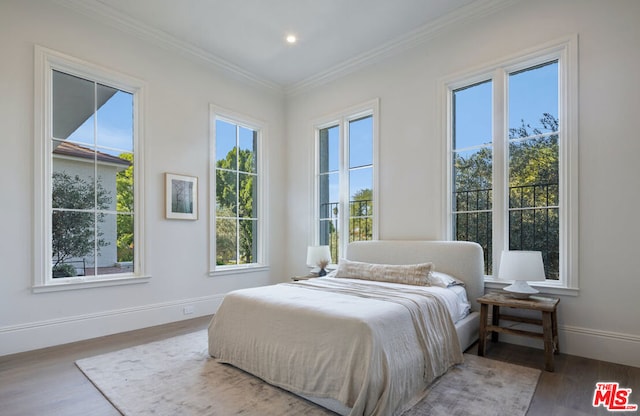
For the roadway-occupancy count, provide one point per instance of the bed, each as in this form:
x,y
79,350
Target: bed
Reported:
x,y
353,345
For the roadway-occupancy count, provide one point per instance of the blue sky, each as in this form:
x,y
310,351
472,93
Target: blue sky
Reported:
x,y
360,154
531,93
226,138
115,125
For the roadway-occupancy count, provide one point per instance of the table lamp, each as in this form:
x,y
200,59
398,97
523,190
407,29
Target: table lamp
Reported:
x,y
521,267
319,256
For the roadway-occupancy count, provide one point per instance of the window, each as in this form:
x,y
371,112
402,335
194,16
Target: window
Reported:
x,y
237,178
88,143
346,179
512,158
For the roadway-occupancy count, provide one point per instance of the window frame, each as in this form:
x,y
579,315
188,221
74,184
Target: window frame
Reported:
x,y
342,119
261,128
563,50
46,61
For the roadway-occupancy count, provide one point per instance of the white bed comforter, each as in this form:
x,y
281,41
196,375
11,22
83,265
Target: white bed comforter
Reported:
x,y
372,347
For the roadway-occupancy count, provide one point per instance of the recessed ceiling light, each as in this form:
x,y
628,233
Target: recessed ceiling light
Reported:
x,y
291,39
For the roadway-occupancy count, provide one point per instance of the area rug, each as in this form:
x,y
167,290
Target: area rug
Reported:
x,y
176,376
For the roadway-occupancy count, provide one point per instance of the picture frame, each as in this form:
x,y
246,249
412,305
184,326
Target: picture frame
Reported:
x,y
181,197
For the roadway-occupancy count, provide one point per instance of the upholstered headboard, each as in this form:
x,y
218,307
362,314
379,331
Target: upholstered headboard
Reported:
x,y
461,259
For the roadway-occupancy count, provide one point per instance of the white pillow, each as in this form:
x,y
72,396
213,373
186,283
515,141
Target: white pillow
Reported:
x,y
408,274
443,280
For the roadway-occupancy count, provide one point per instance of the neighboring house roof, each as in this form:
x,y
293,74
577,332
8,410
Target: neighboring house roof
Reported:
x,y
74,150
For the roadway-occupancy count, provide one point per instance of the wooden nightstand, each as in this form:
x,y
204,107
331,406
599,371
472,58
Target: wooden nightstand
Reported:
x,y
305,277
548,306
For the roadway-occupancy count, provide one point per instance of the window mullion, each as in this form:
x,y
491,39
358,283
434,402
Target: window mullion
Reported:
x,y
237,172
343,218
95,179
500,167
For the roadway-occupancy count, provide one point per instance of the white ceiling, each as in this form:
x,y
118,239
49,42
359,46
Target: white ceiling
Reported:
x,y
248,36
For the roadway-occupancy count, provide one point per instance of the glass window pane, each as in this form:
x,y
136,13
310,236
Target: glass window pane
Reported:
x,y
72,190
361,204
73,170
472,170
248,242
247,198
115,118
226,198
533,100
73,103
125,183
329,149
107,244
473,165
534,161
360,229
112,178
226,248
329,194
125,242
473,200
538,230
225,145
476,226
73,241
361,184
329,236
361,142
248,142
472,115
530,196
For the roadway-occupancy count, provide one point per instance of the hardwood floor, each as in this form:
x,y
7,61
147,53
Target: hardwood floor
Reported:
x,y
47,382
569,389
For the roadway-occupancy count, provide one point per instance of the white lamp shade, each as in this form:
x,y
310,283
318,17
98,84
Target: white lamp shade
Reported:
x,y
317,254
521,265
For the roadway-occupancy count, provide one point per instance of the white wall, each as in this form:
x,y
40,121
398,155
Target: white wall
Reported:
x,y
603,321
179,89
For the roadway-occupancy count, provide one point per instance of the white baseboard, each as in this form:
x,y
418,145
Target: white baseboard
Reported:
x,y
583,342
42,334
600,345
609,346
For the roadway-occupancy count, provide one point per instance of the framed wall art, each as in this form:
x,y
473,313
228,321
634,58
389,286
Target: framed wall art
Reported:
x,y
181,197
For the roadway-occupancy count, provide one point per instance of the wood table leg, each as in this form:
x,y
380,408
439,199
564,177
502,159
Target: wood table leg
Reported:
x,y
547,332
554,324
495,320
484,312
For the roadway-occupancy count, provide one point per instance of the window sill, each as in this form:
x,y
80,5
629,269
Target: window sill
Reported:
x,y
549,288
87,283
228,270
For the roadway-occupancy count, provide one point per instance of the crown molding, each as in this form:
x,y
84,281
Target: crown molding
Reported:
x,y
99,11
475,10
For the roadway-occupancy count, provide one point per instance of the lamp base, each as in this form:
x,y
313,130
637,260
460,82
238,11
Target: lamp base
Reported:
x,y
520,289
